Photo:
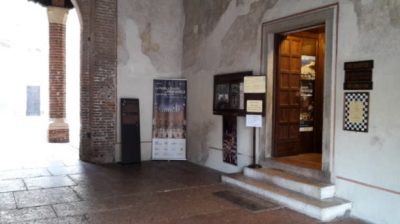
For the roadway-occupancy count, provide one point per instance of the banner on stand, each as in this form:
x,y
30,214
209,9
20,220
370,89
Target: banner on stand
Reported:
x,y
229,151
169,119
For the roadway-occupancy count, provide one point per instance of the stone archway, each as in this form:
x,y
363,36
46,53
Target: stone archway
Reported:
x,y
98,106
98,77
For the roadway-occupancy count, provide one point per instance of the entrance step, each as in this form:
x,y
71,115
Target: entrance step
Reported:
x,y
304,197
304,185
307,172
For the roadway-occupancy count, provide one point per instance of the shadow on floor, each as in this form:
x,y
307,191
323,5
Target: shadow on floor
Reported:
x,y
51,185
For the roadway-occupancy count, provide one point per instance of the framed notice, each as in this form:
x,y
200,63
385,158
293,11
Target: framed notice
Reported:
x,y
254,84
254,106
229,93
356,111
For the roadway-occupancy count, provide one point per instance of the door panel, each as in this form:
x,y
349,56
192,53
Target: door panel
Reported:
x,y
288,140
284,81
287,92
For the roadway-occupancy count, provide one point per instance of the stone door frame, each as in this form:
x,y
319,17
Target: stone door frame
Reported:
x,y
325,15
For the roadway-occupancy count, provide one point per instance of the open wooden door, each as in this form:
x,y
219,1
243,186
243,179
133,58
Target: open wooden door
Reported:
x,y
286,139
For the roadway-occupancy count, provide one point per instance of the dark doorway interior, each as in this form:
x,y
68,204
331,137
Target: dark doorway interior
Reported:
x,y
298,97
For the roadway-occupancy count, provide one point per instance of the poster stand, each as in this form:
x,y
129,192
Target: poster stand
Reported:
x,y
254,90
254,165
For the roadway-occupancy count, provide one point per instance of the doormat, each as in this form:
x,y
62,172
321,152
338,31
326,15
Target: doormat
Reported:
x,y
246,201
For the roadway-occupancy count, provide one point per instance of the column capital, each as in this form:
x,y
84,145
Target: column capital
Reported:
x,y
57,15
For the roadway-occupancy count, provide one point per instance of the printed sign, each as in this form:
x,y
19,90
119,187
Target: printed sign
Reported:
x,y
254,84
169,120
254,106
308,75
253,121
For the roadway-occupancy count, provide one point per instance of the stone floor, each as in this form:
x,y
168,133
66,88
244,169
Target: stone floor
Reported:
x,y
58,188
46,183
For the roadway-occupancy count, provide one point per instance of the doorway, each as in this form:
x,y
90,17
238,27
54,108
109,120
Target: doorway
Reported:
x,y
298,97
272,30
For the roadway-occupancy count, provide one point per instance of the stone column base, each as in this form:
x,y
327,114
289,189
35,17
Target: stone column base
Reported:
x,y
58,132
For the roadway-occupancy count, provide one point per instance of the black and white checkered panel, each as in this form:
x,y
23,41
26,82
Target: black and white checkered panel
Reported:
x,y
356,96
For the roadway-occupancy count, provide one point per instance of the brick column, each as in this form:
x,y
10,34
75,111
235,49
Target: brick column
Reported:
x,y
58,128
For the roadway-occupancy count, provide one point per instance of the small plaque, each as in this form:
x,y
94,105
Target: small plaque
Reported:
x,y
356,111
358,75
359,65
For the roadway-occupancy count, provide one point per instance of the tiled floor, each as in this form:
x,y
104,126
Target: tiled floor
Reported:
x,y
46,183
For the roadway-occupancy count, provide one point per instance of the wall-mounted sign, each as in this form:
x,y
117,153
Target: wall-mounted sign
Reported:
x,y
358,75
254,84
356,111
253,121
254,106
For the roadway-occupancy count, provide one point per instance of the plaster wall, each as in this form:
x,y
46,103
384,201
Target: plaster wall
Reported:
x,y
364,166
227,40
370,30
149,47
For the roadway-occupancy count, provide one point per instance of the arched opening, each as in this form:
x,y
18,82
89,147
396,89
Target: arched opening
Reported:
x,y
24,85
73,76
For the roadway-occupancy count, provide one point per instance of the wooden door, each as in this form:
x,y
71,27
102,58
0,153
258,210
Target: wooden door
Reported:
x,y
287,96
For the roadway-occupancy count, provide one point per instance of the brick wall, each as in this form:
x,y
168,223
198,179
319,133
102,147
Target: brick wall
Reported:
x,y
98,79
59,135
57,70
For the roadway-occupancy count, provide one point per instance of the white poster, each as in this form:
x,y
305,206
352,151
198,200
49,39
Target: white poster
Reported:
x,y
253,121
169,120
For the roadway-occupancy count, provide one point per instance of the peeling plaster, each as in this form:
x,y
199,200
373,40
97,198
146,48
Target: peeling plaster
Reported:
x,y
240,40
233,27
377,22
149,47
204,56
201,154
135,62
385,11
160,31
147,43
201,20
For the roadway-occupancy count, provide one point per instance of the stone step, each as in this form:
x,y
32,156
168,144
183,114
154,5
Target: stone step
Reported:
x,y
324,210
311,173
310,187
